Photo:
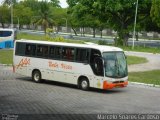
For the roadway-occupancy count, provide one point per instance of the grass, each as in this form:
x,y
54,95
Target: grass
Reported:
x,y
30,37
6,56
136,60
46,38
149,77
142,49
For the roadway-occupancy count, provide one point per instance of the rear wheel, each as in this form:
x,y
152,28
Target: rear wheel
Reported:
x,y
36,76
84,83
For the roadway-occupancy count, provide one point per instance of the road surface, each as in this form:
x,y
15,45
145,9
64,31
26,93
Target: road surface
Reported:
x,y
152,64
21,96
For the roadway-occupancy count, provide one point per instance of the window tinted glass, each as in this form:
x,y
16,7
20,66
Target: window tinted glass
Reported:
x,y
20,48
30,49
42,51
57,52
68,53
5,33
82,55
51,51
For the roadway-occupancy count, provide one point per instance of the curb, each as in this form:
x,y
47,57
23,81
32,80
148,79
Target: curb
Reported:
x,y
144,84
6,65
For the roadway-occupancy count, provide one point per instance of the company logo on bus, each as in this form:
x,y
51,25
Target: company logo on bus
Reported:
x,y
23,63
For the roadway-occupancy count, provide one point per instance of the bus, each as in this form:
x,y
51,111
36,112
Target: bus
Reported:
x,y
6,38
86,66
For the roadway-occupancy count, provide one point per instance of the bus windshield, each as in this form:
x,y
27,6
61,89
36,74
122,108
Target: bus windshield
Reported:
x,y
115,64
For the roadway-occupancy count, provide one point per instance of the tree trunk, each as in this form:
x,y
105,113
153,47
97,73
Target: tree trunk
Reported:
x,y
75,32
101,33
83,32
123,38
94,32
2,24
136,35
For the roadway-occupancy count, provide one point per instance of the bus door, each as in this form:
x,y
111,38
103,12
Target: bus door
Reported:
x,y
96,63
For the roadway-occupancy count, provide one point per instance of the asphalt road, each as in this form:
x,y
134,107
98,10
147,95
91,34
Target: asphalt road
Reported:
x,y
152,64
21,96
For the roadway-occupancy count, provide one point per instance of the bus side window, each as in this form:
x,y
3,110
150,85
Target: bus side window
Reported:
x,y
51,52
20,48
82,55
42,51
57,52
30,49
68,54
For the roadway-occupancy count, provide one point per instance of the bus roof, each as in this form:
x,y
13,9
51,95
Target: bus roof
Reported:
x,y
6,29
102,48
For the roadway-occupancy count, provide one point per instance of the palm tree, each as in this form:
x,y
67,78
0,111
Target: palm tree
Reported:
x,y
44,15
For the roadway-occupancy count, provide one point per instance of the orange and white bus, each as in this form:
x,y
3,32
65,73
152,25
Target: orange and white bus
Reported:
x,y
96,66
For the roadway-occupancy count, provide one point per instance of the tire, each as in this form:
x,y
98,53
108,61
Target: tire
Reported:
x,y
36,76
84,84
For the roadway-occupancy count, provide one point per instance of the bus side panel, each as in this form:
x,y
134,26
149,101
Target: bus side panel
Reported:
x,y
20,65
62,71
2,45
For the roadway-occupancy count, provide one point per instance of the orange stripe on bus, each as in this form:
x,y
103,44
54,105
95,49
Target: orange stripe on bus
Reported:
x,y
107,85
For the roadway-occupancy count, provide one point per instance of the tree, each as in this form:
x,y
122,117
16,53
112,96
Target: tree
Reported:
x,y
44,16
155,13
8,2
4,14
22,13
59,16
55,3
118,14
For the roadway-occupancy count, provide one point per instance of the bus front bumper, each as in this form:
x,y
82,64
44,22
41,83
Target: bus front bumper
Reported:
x,y
108,85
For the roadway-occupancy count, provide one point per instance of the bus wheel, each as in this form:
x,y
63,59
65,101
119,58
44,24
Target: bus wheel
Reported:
x,y
36,76
84,83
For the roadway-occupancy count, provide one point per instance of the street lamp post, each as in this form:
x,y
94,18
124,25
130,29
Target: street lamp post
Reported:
x,y
18,23
135,20
11,13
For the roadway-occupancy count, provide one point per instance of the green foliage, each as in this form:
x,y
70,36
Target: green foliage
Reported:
x,y
4,18
102,42
22,13
117,14
55,3
59,16
61,39
44,17
149,77
155,11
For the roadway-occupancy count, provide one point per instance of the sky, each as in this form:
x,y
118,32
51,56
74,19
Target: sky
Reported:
x,y
62,3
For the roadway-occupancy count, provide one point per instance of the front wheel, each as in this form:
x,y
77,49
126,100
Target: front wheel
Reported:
x,y
36,76
84,84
